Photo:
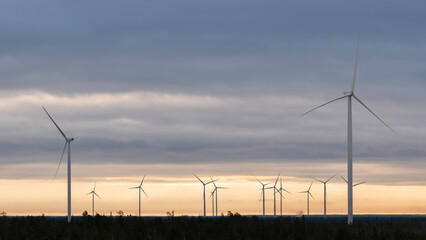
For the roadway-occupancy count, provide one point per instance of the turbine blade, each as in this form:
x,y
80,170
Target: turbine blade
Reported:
x,y
142,180
222,187
94,187
311,195
97,195
316,179
356,63
375,114
324,104
144,192
310,186
343,179
198,178
331,177
286,191
63,134
359,183
276,181
134,187
303,192
258,180
89,193
62,156
213,181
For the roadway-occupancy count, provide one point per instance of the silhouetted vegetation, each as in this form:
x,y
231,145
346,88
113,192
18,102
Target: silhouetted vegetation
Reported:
x,y
232,227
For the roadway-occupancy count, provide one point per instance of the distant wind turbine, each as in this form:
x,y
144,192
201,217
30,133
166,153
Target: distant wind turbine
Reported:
x,y
308,193
204,191
215,191
67,145
282,195
263,192
93,199
349,95
275,191
325,193
139,191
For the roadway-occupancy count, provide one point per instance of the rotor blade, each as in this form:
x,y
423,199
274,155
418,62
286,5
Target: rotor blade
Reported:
x,y
97,195
356,62
286,191
311,195
212,193
198,178
94,187
62,156
316,179
269,187
134,187
343,179
374,114
63,134
331,178
222,188
359,183
261,194
258,180
89,193
324,105
144,192
213,181
276,181
142,180
303,192
310,186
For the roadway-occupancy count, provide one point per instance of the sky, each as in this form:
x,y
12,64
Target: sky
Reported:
x,y
217,88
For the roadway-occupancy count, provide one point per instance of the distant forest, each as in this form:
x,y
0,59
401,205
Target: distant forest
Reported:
x,y
230,227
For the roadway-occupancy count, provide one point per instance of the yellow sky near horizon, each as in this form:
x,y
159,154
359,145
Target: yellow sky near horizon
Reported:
x,y
184,196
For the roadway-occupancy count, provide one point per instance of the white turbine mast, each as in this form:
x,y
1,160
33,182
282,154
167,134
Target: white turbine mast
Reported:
x,y
262,195
282,195
66,146
139,191
215,191
93,198
204,191
308,193
325,192
349,96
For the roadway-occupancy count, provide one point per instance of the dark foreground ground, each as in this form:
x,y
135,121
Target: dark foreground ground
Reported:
x,y
231,227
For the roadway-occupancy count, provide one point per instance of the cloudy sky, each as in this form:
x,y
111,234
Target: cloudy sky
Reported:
x,y
168,88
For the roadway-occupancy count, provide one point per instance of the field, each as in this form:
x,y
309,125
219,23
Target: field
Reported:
x,y
228,227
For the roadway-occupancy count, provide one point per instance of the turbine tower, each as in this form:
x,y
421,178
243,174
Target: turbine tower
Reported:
x,y
66,146
308,193
282,195
325,193
263,193
349,95
215,191
275,191
93,199
140,189
204,191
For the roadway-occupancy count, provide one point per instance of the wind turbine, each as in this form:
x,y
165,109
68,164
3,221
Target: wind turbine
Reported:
x,y
325,193
263,193
356,184
204,191
67,145
282,196
275,191
308,192
93,199
140,189
215,191
349,96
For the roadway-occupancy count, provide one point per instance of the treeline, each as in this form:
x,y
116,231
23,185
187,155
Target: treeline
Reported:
x,y
228,227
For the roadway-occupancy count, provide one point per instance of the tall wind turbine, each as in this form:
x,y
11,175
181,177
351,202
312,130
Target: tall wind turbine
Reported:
x,y
349,96
325,193
204,191
263,193
215,191
93,199
275,191
282,195
140,189
308,193
67,145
